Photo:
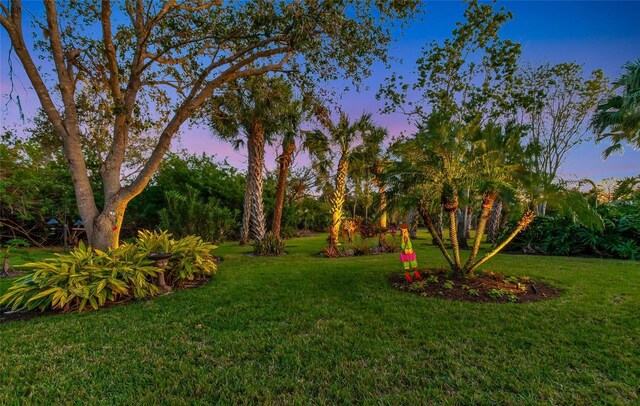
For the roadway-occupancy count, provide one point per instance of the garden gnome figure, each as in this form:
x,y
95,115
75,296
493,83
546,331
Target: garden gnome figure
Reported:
x,y
408,255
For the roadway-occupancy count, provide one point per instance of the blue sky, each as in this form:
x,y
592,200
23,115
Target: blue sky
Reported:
x,y
598,34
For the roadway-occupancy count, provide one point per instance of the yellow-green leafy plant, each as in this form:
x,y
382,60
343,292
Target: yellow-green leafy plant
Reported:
x,y
83,278
190,256
89,278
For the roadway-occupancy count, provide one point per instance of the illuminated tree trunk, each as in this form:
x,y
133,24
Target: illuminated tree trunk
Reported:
x,y
487,203
383,205
337,201
284,161
524,222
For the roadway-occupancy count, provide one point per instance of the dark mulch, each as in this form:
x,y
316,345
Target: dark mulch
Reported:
x,y
7,315
489,287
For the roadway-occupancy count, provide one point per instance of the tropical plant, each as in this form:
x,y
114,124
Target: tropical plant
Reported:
x,y
83,278
618,117
270,245
87,277
559,235
351,140
256,109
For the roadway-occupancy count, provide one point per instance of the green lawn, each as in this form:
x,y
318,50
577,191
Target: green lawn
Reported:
x,y
303,329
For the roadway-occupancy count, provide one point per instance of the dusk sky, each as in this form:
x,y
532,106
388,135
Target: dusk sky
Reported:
x,y
601,35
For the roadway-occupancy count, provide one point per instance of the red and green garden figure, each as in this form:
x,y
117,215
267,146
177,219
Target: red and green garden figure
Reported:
x,y
408,255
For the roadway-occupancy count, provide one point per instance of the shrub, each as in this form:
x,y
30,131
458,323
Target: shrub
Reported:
x,y
190,256
187,214
288,232
270,245
83,277
89,278
553,235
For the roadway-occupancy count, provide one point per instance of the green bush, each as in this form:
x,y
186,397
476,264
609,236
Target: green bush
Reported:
x,y
190,256
89,278
270,245
555,235
187,214
84,277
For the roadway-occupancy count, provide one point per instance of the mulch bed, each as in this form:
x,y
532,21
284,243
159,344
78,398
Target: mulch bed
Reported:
x,y
487,287
7,315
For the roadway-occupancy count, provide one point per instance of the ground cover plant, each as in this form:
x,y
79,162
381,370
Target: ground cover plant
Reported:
x,y
301,329
90,278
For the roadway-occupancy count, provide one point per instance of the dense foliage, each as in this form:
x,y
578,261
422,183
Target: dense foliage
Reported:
x,y
187,214
87,277
559,235
270,245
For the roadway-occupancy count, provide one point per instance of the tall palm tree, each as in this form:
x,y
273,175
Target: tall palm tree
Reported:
x,y
618,118
252,111
348,139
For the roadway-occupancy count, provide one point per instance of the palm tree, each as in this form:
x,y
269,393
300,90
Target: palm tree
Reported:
x,y
349,139
618,118
256,109
316,147
444,156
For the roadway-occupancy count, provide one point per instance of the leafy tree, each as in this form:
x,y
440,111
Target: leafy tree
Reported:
x,y
555,102
163,60
35,186
618,117
187,214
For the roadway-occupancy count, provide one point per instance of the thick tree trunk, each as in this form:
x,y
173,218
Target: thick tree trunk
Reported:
x,y
257,221
494,222
106,227
284,161
461,230
246,213
337,202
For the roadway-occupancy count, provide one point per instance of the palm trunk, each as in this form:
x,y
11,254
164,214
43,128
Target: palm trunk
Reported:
x,y
257,222
437,239
284,161
453,236
494,222
524,222
461,229
337,201
246,214
487,205
383,205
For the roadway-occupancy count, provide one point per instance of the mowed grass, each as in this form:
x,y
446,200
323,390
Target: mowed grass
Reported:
x,y
304,329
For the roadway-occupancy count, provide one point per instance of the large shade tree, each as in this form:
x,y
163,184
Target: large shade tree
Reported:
x,y
165,59
617,118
